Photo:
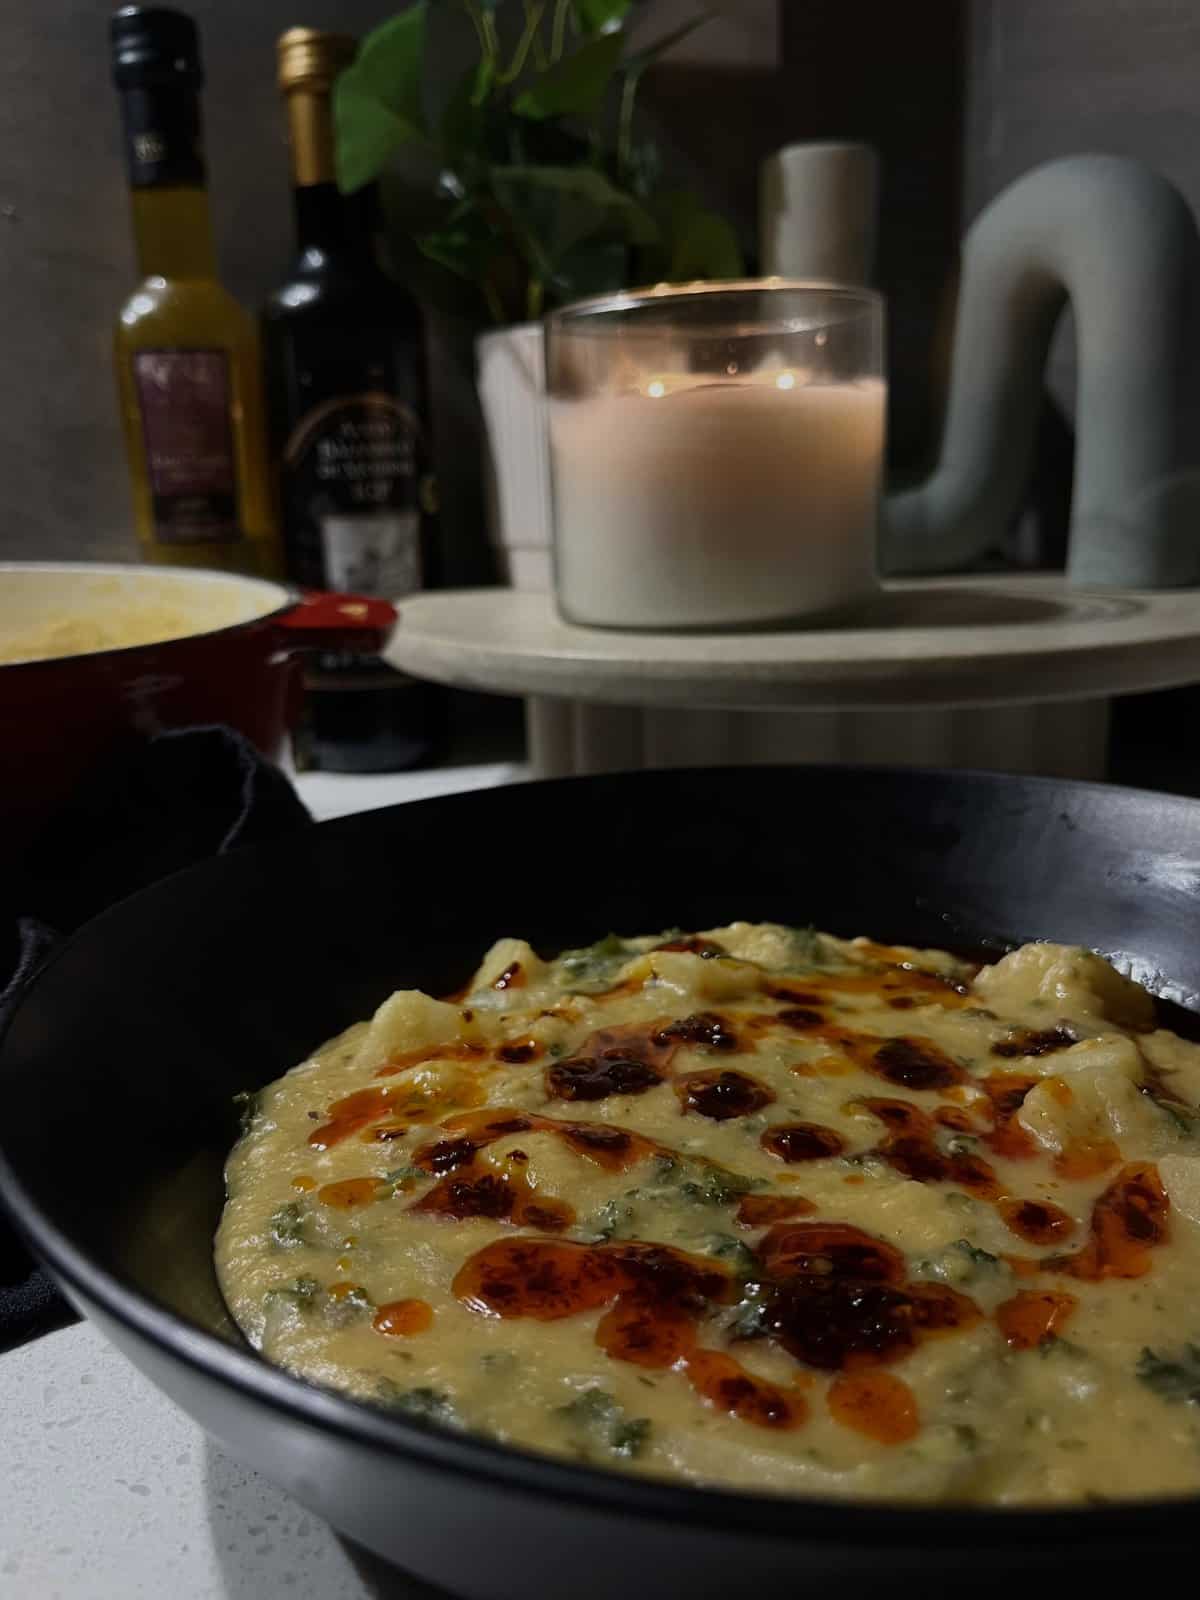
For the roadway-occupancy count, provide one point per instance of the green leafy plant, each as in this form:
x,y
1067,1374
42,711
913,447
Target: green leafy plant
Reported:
x,y
531,181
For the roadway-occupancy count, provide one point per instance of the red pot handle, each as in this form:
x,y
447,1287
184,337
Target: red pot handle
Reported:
x,y
339,622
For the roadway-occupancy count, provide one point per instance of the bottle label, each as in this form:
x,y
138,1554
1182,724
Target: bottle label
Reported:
x,y
163,141
351,482
184,397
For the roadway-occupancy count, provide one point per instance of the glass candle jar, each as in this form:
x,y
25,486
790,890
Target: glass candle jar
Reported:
x,y
717,453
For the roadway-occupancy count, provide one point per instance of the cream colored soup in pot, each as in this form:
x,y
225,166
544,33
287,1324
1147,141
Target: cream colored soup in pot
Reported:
x,y
756,1207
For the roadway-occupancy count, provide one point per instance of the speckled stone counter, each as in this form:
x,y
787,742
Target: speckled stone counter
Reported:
x,y
109,1492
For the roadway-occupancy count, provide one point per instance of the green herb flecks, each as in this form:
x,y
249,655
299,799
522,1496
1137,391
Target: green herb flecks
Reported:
x,y
716,1186
629,1438
596,1414
1174,1378
286,1226
594,967
401,1175
699,1181
960,1262
342,1310
742,1261
300,1294
422,1404
804,948
748,1318
611,1221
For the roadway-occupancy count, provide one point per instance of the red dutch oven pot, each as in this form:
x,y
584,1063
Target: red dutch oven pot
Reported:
x,y
238,664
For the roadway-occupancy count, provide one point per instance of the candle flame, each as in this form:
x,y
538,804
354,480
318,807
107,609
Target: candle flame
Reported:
x,y
656,389
786,380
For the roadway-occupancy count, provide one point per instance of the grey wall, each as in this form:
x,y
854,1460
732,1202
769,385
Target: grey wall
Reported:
x,y
1053,79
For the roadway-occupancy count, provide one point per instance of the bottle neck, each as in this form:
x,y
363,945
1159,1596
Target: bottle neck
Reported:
x,y
328,223
172,231
322,221
165,151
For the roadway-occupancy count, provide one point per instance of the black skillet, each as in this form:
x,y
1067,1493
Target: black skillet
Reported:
x,y
117,1072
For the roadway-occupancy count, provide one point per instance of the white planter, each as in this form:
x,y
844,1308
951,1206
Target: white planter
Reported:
x,y
511,378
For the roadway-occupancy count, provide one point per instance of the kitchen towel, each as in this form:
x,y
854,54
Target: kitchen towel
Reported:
x,y
147,812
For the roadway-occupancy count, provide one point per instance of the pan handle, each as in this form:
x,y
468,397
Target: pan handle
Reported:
x,y
323,621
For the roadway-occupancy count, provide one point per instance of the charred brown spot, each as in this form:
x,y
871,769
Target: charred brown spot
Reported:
x,y
727,1385
598,1078
902,1002
1036,1221
1007,1091
915,1064
829,1250
800,1018
722,1094
610,1141
1128,1220
1036,1042
756,1210
521,1051
705,1028
910,1147
500,1197
445,1155
802,1141
832,1323
839,1322
484,1196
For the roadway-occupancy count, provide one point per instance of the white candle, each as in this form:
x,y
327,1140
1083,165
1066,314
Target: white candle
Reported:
x,y
700,502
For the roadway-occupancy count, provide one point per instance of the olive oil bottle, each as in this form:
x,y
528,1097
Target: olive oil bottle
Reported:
x,y
187,354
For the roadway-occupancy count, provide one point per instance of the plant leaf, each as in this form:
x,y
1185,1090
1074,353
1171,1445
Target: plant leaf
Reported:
x,y
594,266
600,16
576,85
390,64
377,101
464,118
560,206
693,242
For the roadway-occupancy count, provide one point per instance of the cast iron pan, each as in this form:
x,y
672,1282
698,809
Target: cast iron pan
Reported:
x,y
118,1069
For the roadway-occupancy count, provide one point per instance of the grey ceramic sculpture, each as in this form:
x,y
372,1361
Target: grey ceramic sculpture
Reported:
x,y
1119,242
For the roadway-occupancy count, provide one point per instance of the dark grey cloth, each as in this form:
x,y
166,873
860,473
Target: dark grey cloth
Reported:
x,y
149,811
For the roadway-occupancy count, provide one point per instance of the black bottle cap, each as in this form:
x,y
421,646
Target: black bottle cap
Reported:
x,y
153,45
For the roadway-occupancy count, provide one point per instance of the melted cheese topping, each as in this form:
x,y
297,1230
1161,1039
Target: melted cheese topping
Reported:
x,y
757,1207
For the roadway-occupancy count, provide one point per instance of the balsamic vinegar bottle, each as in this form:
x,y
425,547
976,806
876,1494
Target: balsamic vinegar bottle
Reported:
x,y
344,350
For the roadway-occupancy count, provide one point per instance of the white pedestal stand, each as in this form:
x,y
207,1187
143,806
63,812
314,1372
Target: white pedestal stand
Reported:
x,y
1013,673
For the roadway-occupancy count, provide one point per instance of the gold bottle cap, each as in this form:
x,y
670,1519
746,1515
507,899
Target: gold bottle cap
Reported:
x,y
308,56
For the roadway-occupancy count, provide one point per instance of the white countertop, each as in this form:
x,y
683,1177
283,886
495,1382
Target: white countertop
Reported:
x,y
108,1492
